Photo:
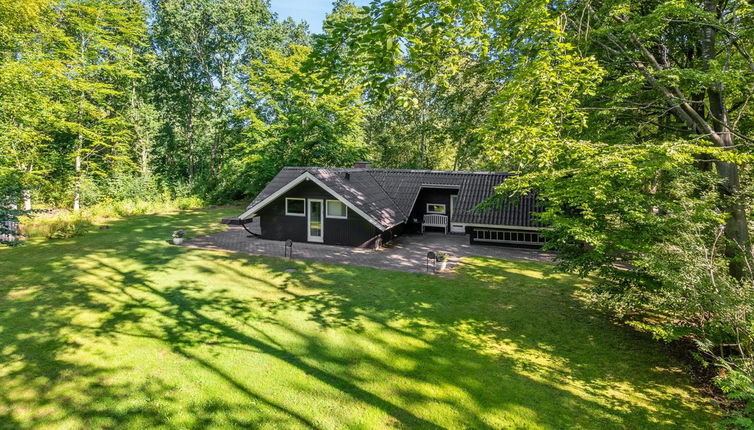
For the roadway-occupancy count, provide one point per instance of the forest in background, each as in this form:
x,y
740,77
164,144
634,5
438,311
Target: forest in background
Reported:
x,y
125,99
632,119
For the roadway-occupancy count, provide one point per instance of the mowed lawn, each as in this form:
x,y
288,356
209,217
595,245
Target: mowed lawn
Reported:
x,y
119,329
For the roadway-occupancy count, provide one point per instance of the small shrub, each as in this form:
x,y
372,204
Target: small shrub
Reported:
x,y
103,210
91,192
191,202
61,225
182,189
132,207
132,188
739,387
123,208
76,226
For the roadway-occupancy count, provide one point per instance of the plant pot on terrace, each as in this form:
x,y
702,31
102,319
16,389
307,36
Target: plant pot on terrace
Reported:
x,y
178,237
442,260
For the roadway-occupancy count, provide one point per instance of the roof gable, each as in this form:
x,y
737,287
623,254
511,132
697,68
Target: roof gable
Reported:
x,y
359,192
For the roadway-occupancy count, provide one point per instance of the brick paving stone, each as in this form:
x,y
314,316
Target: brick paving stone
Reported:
x,y
406,253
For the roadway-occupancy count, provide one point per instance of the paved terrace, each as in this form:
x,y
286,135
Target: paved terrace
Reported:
x,y
406,253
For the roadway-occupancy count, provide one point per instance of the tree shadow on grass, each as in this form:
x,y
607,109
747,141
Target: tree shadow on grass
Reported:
x,y
523,329
42,381
500,345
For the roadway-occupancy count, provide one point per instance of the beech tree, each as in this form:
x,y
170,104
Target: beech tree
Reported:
x,y
292,122
97,43
29,111
202,49
694,59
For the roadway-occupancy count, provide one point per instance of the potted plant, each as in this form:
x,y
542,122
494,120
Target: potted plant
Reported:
x,y
442,259
178,236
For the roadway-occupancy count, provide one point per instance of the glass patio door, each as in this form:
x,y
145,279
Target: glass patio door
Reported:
x,y
314,220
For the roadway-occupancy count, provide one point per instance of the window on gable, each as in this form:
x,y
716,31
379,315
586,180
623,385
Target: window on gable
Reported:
x,y
435,208
295,206
336,209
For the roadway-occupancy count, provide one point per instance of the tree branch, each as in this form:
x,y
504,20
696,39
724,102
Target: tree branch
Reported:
x,y
679,102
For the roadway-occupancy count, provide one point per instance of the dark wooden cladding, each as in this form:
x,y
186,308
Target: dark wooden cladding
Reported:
x,y
276,225
431,195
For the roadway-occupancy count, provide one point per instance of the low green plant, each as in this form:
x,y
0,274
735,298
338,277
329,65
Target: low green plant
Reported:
x,y
132,188
738,385
133,207
66,224
190,202
57,225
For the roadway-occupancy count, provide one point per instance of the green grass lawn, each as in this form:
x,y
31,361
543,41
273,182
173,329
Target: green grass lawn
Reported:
x,y
119,329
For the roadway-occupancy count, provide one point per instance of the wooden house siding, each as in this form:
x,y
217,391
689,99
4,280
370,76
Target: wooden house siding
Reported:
x,y
276,225
431,195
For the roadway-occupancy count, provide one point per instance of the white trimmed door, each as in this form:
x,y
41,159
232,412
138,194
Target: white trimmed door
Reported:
x,y
315,220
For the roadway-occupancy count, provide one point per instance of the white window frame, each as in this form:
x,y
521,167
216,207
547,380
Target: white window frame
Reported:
x,y
294,213
444,208
309,237
327,209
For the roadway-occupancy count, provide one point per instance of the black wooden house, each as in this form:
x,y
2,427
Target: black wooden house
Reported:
x,y
364,206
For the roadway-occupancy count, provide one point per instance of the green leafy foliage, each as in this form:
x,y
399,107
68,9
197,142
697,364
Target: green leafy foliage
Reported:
x,y
737,385
293,123
202,52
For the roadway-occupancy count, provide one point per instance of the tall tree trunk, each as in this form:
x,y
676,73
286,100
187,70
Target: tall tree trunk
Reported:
x,y
77,160
27,199
422,147
144,160
190,136
213,152
77,183
421,155
80,136
141,134
736,228
26,191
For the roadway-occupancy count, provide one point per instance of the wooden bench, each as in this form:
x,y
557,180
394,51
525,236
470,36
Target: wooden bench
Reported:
x,y
435,220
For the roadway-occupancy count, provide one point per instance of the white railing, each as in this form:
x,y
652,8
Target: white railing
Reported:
x,y
434,220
